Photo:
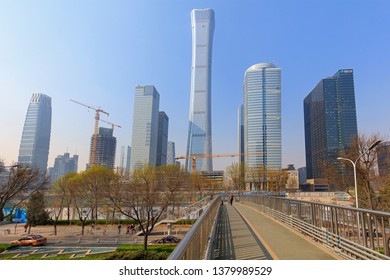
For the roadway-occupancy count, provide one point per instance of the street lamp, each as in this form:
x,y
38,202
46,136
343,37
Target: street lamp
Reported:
x,y
373,145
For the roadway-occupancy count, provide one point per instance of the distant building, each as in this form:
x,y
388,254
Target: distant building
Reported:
x,y
214,181
35,142
383,152
241,139
171,153
292,183
302,175
105,148
145,127
330,123
199,131
162,139
124,164
63,164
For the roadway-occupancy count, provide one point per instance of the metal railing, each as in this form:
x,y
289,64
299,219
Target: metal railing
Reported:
x,y
196,241
352,232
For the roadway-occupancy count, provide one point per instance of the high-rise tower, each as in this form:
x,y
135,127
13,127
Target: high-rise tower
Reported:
x,y
145,127
105,149
199,131
262,117
162,139
330,121
34,146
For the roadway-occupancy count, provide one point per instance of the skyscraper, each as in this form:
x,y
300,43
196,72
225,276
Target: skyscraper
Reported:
x,y
105,148
162,139
171,154
34,146
145,127
124,164
199,131
241,149
64,164
330,121
262,117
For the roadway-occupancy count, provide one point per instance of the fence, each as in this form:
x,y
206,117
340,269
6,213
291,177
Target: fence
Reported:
x,y
352,232
195,242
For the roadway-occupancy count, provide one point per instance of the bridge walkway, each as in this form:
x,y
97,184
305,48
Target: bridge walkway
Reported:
x,y
243,233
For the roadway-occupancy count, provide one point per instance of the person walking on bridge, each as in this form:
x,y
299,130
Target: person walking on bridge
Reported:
x,y
231,198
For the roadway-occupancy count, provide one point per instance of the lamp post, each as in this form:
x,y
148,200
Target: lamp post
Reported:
x,y
372,146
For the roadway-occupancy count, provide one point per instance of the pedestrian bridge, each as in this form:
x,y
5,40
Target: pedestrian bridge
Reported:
x,y
271,228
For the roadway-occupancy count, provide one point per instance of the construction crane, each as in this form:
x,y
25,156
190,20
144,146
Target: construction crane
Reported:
x,y
96,130
194,157
112,124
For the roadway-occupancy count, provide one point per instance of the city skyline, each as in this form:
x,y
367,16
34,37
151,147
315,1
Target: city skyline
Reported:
x,y
98,53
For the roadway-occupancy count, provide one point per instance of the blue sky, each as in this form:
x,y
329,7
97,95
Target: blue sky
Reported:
x,y
97,52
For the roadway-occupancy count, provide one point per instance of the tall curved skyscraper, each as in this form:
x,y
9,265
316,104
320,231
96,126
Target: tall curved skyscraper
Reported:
x,y
262,117
34,146
199,131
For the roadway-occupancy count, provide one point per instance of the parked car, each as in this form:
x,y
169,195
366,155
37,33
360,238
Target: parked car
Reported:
x,y
30,240
167,240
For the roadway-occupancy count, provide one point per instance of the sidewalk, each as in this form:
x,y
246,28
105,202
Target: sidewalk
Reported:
x,y
281,242
235,240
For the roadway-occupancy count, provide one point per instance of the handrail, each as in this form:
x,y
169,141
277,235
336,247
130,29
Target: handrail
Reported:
x,y
334,225
194,244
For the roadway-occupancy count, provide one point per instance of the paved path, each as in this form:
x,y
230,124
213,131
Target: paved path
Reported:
x,y
243,233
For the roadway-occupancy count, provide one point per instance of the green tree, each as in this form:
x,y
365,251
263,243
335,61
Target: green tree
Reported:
x,y
36,210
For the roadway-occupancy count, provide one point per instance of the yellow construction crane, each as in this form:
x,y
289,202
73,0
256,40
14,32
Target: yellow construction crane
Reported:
x,y
194,157
96,130
112,124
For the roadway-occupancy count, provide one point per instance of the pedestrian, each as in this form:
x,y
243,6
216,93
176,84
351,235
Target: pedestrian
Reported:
x,y
25,227
119,228
92,228
231,199
132,228
128,229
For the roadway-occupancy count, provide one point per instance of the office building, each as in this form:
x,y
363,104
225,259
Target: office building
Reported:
x,y
63,164
145,127
124,164
171,153
383,153
241,147
105,148
162,139
330,123
199,132
262,117
35,142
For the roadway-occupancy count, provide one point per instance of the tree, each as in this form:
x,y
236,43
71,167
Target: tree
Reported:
x,y
145,197
236,173
59,197
36,210
365,169
17,184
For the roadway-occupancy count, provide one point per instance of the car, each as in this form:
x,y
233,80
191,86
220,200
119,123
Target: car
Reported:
x,y
30,240
167,240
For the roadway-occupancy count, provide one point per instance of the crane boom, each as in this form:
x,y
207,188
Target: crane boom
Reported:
x,y
112,124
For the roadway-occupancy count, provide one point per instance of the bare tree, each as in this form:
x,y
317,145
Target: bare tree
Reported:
x,y
236,173
17,184
145,197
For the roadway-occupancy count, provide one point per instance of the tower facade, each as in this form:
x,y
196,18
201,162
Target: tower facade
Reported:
x,y
145,127
34,146
64,164
171,153
199,132
330,121
162,139
262,117
105,148
124,164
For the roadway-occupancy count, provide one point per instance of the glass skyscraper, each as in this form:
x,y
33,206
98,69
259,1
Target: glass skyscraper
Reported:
x,y
145,127
330,121
162,139
34,146
199,131
171,153
262,117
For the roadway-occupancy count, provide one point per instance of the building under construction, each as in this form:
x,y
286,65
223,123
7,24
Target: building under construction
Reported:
x,y
105,148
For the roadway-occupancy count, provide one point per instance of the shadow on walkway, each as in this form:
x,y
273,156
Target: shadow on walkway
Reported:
x,y
235,240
